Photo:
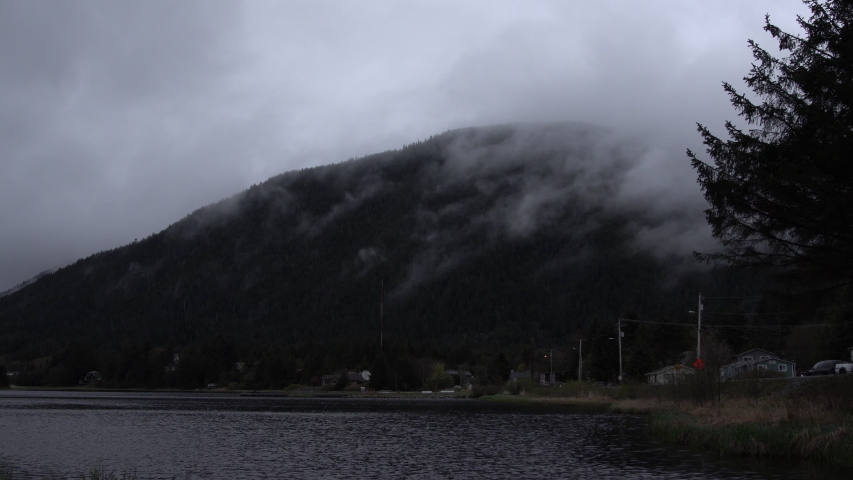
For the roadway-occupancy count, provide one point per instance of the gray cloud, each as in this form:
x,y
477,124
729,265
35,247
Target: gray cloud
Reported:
x,y
529,177
117,118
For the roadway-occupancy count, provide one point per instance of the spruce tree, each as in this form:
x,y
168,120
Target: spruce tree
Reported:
x,y
343,381
380,373
781,193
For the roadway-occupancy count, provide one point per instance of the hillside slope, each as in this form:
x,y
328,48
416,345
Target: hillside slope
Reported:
x,y
500,234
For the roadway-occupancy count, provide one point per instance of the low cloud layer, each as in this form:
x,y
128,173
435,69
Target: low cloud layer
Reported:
x,y
117,119
571,178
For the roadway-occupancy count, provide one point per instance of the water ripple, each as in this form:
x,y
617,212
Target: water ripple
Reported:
x,y
213,437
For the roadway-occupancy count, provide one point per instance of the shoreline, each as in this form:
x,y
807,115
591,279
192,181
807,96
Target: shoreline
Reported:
x,y
813,426
250,393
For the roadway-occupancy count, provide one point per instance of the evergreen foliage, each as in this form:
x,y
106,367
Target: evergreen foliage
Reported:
x,y
280,284
445,222
404,374
343,381
781,194
380,373
498,369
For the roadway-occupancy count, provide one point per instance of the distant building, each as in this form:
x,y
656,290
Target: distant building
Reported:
x,y
91,377
758,359
669,374
355,378
465,377
543,378
547,378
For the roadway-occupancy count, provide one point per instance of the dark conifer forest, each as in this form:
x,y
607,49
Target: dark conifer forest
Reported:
x,y
489,241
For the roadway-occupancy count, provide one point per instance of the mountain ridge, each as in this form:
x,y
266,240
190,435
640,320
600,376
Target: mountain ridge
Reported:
x,y
497,233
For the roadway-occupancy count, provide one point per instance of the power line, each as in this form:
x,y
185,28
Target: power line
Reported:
x,y
836,307
747,296
752,327
777,294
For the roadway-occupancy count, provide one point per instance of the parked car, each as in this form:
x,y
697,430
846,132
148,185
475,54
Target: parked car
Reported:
x,y
830,367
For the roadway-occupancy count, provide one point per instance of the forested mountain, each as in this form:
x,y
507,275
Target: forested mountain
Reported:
x,y
487,236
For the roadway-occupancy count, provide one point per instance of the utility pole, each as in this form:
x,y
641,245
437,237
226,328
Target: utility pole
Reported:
x,y
551,372
619,338
381,314
699,330
580,360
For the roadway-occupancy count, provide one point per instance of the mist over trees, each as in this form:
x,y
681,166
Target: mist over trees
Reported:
x,y
486,236
488,240
493,244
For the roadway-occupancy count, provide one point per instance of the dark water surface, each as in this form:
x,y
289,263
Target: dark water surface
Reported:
x,y
201,436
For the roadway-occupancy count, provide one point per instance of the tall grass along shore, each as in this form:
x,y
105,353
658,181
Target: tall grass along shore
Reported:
x,y
809,419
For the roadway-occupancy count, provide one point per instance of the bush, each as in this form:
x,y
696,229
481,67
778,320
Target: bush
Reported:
x,y
626,392
522,386
514,387
480,390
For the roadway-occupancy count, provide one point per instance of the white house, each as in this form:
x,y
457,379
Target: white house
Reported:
x,y
668,374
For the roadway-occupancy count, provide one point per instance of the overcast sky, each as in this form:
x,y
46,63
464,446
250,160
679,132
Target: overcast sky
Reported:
x,y
119,118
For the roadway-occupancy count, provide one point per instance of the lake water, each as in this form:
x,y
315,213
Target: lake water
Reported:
x,y
210,436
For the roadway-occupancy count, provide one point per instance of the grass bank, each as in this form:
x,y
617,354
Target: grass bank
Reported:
x,y
830,444
593,402
809,420
804,419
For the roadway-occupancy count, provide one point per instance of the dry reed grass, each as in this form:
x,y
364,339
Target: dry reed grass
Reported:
x,y
738,410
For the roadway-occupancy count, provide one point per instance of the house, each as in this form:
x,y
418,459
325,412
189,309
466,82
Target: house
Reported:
x,y
464,377
669,374
355,378
91,377
547,378
758,359
330,379
544,378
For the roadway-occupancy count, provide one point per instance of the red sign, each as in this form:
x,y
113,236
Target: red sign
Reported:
x,y
699,364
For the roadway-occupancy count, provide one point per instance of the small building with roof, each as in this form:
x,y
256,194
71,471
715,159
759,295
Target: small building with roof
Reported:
x,y
669,374
758,359
355,378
